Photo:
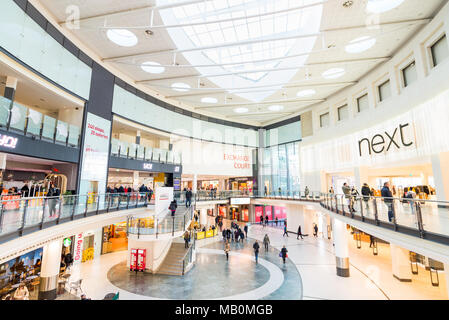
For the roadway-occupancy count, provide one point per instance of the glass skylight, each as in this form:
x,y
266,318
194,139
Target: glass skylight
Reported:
x,y
122,37
305,93
209,100
276,107
333,73
360,44
241,110
180,86
379,6
226,43
152,67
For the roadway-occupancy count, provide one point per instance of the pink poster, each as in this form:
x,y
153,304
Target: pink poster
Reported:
x,y
268,212
280,213
259,213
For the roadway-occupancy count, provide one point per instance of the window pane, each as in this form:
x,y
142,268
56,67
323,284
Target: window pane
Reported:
x,y
384,91
409,74
363,103
440,51
324,120
343,112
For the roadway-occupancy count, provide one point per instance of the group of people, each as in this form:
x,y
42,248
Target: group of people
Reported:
x,y
235,233
264,221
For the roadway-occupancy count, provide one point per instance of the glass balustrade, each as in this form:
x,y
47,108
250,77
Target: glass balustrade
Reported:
x,y
135,151
20,119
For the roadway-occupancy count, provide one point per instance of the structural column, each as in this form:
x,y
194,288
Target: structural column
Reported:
x,y
341,247
51,259
322,226
203,216
360,177
400,262
138,137
10,88
440,168
194,183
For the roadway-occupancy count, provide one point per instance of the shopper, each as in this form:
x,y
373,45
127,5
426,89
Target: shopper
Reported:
x,y
25,190
299,233
236,235
285,231
227,249
366,193
265,190
228,235
21,293
306,191
150,194
68,259
315,230
173,206
388,199
284,253
121,189
245,228
411,195
347,192
371,241
186,239
143,189
276,221
331,190
266,221
256,250
242,235
262,221
266,241
188,198
52,200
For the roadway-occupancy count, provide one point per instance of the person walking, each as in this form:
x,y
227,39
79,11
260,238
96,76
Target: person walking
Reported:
x,y
236,235
388,199
266,221
366,193
228,235
284,253
306,191
52,195
371,241
262,221
245,228
186,239
299,233
266,242
285,231
347,192
173,206
227,249
242,235
276,221
315,230
188,198
256,250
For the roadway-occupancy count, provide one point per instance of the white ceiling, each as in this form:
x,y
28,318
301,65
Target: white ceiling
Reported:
x,y
339,25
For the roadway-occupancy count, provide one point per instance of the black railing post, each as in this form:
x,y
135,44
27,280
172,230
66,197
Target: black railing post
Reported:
x,y
361,208
87,203
109,202
138,229
1,217
74,207
376,214
43,215
127,200
419,219
119,201
343,204
394,215
24,215
60,209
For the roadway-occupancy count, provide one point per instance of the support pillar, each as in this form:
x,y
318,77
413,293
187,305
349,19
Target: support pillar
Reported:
x,y
203,216
51,259
340,235
322,226
10,88
440,168
194,183
360,177
138,137
400,262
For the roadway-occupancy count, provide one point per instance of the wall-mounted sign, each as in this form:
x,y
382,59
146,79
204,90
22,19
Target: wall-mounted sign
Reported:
x,y
67,242
148,166
77,257
8,142
235,201
240,161
177,169
382,142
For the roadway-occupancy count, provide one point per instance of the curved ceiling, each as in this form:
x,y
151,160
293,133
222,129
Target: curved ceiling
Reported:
x,y
250,61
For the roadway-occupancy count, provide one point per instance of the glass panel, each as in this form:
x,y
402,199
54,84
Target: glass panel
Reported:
x,y
74,134
363,103
132,150
32,44
34,122
409,74
148,153
440,51
384,91
114,146
123,149
170,157
18,117
62,131
324,120
5,104
163,154
157,155
140,152
343,112
48,129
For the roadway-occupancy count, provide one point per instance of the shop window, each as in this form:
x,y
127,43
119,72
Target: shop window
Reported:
x,y
409,74
324,120
343,112
362,103
384,90
439,50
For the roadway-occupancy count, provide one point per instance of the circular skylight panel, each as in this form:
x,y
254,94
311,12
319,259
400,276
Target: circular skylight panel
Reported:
x,y
241,110
360,44
379,6
306,93
180,86
333,73
209,100
275,107
152,67
122,37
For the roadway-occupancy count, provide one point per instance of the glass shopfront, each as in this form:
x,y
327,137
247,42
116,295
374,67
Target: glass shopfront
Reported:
x,y
114,238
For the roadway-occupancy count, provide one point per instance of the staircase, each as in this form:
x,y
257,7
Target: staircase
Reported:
x,y
172,264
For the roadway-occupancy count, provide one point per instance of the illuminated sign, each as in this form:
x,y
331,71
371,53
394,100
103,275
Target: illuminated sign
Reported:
x,y
148,166
383,142
240,201
176,169
67,242
8,142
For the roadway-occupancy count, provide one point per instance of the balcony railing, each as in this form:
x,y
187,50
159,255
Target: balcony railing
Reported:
x,y
17,118
139,152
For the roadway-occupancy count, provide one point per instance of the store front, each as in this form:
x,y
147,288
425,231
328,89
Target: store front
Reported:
x,y
244,185
239,209
272,212
114,238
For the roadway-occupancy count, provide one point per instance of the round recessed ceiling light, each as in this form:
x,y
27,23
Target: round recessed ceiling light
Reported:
x,y
122,37
306,93
379,6
275,107
333,73
180,86
209,100
360,44
240,110
152,67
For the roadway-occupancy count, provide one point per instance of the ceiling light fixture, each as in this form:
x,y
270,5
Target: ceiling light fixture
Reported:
x,y
305,93
379,6
180,86
122,37
360,44
152,67
241,110
348,3
275,107
333,73
209,100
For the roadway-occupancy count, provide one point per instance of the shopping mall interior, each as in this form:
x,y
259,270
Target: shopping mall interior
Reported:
x,y
224,150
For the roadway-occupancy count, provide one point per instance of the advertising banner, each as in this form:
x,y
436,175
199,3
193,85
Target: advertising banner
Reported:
x,y
163,197
268,212
258,212
78,249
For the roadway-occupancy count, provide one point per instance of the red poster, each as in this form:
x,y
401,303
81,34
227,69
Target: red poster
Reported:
x,y
258,212
222,211
245,215
284,213
268,212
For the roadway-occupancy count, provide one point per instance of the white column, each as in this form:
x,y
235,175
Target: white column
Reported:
x,y
440,168
322,226
400,262
136,180
138,137
10,88
446,274
194,183
340,235
51,259
360,177
203,216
